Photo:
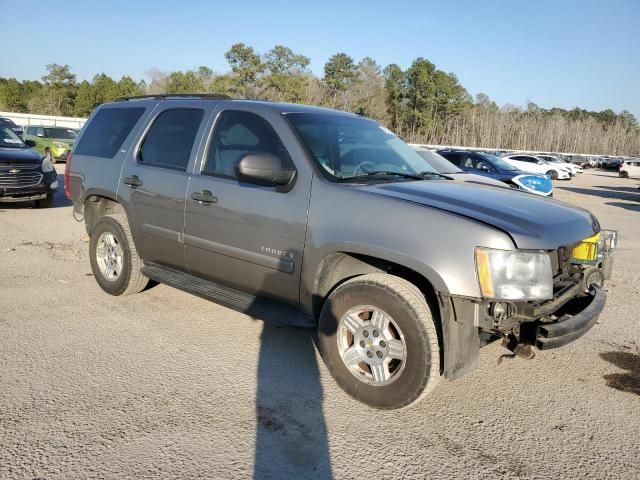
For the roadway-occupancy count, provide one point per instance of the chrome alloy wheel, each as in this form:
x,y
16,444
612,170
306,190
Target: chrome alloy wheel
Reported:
x,y
109,256
371,345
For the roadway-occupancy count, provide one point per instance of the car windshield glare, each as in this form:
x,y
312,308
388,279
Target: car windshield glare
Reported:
x,y
498,162
347,146
8,138
438,162
61,133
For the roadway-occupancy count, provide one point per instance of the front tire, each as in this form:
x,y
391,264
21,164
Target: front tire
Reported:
x,y
46,202
378,339
553,174
114,260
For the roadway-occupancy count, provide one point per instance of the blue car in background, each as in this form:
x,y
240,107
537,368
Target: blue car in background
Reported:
x,y
491,166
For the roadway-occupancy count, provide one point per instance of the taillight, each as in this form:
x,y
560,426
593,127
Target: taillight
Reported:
x,y
67,167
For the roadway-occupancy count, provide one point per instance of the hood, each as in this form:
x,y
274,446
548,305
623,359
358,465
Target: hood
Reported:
x,y
66,141
19,156
477,179
533,222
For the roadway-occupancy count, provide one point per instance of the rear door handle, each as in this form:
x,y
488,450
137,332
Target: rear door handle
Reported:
x,y
133,181
205,197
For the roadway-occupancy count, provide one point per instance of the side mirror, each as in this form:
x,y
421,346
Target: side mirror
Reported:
x,y
264,169
30,143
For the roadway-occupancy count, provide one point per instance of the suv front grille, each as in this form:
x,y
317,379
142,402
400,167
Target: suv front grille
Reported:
x,y
26,177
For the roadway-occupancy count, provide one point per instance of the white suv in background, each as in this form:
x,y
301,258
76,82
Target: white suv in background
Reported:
x,y
535,164
575,169
630,169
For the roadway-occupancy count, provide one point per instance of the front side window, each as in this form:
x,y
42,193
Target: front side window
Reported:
x,y
40,132
170,139
349,146
236,135
497,161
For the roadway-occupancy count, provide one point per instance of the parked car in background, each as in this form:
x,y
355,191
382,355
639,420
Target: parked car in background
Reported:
x,y
13,126
612,164
533,163
444,166
58,140
24,174
553,159
630,169
484,164
316,217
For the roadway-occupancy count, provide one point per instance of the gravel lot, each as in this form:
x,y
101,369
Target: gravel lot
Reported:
x,y
166,385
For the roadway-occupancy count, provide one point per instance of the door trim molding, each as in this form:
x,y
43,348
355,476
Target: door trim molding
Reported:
x,y
281,264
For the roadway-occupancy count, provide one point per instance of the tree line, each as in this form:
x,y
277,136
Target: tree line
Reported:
x,y
421,104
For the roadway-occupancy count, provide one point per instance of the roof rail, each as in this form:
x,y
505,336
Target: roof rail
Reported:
x,y
163,96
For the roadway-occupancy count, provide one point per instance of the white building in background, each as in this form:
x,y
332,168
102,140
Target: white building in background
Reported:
x,y
25,119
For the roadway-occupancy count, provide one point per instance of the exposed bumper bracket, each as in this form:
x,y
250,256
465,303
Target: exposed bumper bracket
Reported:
x,y
572,326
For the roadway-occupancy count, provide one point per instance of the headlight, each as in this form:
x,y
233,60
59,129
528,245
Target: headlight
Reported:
x,y
47,166
59,145
514,275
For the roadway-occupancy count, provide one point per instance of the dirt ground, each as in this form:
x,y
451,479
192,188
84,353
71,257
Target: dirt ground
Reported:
x,y
166,385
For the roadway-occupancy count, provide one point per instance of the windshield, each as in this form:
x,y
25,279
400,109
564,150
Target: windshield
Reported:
x,y
498,162
8,138
551,159
438,162
346,146
61,133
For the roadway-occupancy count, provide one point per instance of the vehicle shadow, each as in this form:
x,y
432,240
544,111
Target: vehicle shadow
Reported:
x,y
625,382
628,206
291,434
618,193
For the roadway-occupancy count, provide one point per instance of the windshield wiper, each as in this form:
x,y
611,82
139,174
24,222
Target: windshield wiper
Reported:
x,y
435,174
383,173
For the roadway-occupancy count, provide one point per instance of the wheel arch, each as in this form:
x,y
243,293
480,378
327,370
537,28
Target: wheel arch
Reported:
x,y
98,205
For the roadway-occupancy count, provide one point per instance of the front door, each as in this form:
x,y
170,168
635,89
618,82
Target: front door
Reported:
x,y
154,181
246,236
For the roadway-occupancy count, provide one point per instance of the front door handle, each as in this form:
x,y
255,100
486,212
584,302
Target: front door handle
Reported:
x,y
133,181
205,197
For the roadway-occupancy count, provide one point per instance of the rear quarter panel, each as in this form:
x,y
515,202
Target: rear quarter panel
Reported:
x,y
89,175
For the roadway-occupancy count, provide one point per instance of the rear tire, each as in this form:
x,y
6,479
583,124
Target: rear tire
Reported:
x,y
114,260
553,174
388,358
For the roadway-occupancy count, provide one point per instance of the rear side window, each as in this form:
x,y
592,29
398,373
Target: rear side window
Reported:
x,y
170,139
106,132
237,134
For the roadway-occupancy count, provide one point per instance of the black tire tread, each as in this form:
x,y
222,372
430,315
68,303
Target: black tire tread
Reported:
x,y
414,301
137,281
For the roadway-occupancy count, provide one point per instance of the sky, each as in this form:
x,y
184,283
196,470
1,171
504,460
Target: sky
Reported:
x,y
563,53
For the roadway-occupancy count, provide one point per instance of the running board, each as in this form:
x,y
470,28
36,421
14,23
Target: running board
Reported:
x,y
252,305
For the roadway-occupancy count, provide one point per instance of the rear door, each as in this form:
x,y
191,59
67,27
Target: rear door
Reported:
x,y
155,176
248,236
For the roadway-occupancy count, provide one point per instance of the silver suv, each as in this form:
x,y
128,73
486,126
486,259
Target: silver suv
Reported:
x,y
315,217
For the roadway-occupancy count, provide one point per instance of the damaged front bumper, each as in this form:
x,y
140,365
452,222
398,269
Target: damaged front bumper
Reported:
x,y
579,298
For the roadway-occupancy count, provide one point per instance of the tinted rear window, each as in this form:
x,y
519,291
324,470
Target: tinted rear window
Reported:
x,y
106,132
170,139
